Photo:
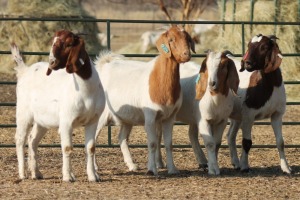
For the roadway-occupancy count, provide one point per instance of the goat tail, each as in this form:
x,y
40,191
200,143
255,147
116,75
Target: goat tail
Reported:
x,y
106,57
15,52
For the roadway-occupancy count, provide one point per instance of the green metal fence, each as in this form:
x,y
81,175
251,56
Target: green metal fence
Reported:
x,y
108,23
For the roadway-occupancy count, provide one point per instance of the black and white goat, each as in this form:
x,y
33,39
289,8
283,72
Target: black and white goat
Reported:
x,y
262,95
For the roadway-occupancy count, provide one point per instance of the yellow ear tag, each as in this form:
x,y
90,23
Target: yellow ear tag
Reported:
x,y
165,48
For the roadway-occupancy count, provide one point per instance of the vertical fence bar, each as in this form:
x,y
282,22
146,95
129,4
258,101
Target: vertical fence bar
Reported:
x,y
298,10
109,135
243,39
233,12
223,15
276,15
108,34
251,13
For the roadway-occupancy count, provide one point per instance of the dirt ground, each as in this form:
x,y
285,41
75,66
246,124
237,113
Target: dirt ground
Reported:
x,y
264,181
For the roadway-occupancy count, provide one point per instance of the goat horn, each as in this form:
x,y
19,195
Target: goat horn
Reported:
x,y
272,37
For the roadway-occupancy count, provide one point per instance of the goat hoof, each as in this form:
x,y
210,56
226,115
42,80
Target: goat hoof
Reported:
x,y
70,178
150,173
173,171
246,170
37,176
203,166
133,168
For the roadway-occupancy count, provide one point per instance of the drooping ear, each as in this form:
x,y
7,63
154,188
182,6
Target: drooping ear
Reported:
x,y
191,42
76,56
273,62
201,83
162,44
232,77
243,61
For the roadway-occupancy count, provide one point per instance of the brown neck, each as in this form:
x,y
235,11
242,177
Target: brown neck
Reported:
x,y
85,70
164,81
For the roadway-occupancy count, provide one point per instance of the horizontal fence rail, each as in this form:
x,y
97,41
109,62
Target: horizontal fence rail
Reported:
x,y
108,23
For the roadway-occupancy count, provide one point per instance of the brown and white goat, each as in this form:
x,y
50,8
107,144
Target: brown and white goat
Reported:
x,y
146,93
262,95
66,99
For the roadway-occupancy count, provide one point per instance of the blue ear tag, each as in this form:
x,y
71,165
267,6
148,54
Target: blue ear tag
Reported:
x,y
198,78
165,48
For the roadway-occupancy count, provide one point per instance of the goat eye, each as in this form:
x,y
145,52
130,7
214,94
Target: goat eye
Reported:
x,y
264,47
69,45
171,40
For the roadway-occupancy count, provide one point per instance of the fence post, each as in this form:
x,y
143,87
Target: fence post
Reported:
x,y
223,15
298,10
108,34
276,5
251,14
233,12
243,39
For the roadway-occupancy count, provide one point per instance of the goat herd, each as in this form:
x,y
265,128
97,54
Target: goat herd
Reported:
x,y
170,87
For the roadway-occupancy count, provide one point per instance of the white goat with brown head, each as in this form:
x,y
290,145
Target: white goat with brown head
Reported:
x,y
146,93
216,90
65,99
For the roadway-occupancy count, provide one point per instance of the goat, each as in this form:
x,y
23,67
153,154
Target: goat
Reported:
x,y
199,29
102,37
149,39
216,88
66,99
146,93
262,96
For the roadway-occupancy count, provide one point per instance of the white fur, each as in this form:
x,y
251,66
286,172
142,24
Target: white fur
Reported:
x,y
60,100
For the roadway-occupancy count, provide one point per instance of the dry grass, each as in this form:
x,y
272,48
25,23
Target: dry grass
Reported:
x,y
37,36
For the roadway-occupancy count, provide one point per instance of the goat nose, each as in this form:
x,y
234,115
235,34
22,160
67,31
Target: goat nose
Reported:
x,y
213,83
248,62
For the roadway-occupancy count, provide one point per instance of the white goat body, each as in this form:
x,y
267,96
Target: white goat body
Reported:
x,y
60,100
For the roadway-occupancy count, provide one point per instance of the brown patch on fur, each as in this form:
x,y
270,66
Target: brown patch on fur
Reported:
x,y
227,76
273,61
164,85
262,55
68,149
261,87
202,83
164,81
68,50
93,149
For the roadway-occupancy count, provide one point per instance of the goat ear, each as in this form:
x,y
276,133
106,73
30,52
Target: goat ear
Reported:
x,y
243,61
201,82
76,57
162,44
274,60
191,42
233,77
